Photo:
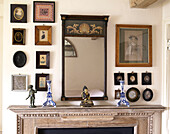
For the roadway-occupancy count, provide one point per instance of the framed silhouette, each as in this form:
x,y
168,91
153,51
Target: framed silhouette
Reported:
x,y
43,35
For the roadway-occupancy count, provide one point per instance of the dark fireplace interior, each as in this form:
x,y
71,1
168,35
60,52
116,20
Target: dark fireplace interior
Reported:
x,y
107,130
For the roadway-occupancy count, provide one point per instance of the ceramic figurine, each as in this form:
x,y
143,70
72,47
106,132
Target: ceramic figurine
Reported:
x,y
123,100
49,101
86,102
31,96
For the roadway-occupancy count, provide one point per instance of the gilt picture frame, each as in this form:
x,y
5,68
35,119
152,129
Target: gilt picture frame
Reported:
x,y
133,45
43,35
44,11
42,59
18,36
19,82
41,81
18,13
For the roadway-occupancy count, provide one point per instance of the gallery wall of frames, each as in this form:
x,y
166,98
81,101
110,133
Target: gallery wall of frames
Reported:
x,y
35,47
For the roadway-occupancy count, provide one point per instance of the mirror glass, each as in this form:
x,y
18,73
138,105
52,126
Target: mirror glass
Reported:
x,y
86,68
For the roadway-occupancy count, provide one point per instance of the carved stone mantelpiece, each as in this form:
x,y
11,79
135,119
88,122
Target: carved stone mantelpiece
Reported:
x,y
142,118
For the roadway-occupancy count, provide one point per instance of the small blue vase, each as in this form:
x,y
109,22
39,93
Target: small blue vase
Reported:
x,y
49,101
123,100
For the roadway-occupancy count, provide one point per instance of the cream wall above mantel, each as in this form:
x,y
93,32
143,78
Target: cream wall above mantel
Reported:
x,y
119,12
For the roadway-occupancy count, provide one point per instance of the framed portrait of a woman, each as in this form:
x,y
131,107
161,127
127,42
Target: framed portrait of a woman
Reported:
x,y
133,45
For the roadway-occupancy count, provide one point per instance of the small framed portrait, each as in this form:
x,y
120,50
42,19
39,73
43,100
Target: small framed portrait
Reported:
x,y
133,45
132,78
18,36
42,59
44,11
146,78
41,81
18,13
133,94
147,94
19,82
117,94
43,35
117,77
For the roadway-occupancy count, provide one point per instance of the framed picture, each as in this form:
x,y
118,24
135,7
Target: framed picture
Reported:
x,y
18,36
133,94
147,94
18,13
117,94
43,35
44,11
41,82
118,77
146,78
19,82
133,45
132,78
42,59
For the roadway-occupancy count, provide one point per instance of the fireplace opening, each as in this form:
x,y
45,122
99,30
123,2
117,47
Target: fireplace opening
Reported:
x,y
104,130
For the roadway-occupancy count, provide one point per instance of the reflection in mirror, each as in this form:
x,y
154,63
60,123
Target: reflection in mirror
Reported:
x,y
70,50
87,69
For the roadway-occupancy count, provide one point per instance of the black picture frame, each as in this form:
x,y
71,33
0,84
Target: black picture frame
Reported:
x,y
132,78
42,59
19,59
136,94
117,94
147,94
38,11
146,78
18,36
118,77
41,81
18,13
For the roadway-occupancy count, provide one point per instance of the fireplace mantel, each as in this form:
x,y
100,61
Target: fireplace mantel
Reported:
x,y
142,118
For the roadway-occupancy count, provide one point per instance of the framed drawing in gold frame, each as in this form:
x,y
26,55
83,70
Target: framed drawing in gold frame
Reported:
x,y
133,45
18,36
43,35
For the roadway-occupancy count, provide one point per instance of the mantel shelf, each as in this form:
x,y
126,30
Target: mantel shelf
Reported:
x,y
60,108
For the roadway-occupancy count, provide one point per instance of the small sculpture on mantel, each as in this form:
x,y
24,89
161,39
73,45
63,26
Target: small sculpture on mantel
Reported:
x,y
86,102
31,96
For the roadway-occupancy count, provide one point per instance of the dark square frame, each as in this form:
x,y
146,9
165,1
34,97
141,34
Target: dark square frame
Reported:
x,y
14,18
146,78
37,35
21,32
117,77
134,76
37,81
117,94
45,63
35,19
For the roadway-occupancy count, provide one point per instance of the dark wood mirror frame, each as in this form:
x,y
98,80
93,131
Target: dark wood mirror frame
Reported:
x,y
103,19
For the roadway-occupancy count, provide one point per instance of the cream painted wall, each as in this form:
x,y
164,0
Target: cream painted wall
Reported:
x,y
1,48
120,13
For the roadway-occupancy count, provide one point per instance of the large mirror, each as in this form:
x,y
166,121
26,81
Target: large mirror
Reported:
x,y
84,64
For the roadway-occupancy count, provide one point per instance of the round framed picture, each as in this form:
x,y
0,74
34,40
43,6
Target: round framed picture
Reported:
x,y
19,59
147,94
133,94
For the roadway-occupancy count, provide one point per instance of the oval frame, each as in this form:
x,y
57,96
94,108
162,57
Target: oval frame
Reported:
x,y
19,59
150,92
137,94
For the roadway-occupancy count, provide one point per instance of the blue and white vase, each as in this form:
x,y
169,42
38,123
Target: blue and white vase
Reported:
x,y
123,100
49,101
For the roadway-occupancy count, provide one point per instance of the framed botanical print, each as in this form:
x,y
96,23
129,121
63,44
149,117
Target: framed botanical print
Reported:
x,y
117,77
132,78
19,82
133,45
41,81
18,36
146,78
44,11
18,13
43,35
42,60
